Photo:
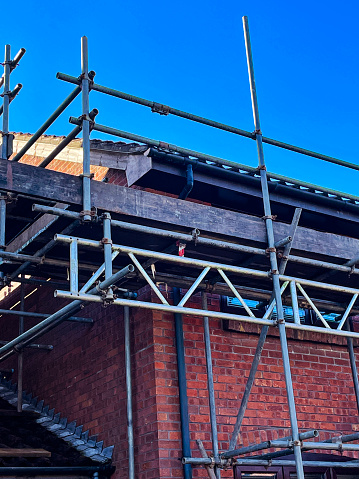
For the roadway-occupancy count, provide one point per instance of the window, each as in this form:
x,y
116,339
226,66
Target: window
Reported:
x,y
307,316
286,472
309,476
259,475
257,472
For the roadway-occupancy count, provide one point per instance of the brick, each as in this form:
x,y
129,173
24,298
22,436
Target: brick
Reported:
x,y
84,379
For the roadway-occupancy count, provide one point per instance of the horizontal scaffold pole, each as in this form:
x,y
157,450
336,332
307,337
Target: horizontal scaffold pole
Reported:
x,y
29,314
200,312
199,461
267,444
208,158
203,264
165,110
200,240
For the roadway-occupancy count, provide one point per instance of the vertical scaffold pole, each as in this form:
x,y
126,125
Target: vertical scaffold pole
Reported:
x,y
3,199
86,174
20,359
107,248
354,369
131,452
273,257
74,266
6,103
212,402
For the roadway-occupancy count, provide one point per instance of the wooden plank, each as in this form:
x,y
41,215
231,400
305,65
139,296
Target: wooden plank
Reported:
x,y
24,452
137,167
170,212
27,179
34,230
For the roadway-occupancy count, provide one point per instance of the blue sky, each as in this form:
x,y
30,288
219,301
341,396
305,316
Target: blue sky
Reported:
x,y
191,56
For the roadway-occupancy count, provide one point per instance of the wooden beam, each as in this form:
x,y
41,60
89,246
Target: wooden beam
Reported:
x,y
24,452
169,212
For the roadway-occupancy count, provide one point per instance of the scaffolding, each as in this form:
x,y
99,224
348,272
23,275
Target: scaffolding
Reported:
x,y
226,276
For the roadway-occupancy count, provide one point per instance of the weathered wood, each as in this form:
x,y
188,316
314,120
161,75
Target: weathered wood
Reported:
x,y
36,228
24,453
26,179
137,167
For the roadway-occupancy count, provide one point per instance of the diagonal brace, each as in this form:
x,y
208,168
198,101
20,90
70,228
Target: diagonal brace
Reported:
x,y
193,287
147,278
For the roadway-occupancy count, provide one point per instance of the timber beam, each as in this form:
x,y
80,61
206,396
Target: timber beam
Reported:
x,y
144,206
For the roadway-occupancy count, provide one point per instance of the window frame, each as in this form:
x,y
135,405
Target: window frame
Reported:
x,y
238,470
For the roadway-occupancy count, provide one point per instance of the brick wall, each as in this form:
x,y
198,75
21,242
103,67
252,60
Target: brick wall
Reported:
x,y
83,378
321,377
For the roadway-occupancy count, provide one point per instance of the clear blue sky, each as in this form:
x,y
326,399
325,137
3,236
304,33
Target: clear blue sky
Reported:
x,y
190,55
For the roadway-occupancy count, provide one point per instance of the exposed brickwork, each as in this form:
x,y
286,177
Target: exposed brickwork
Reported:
x,y
71,168
117,177
83,377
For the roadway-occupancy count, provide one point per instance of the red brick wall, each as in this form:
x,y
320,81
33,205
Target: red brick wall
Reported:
x,y
321,377
83,377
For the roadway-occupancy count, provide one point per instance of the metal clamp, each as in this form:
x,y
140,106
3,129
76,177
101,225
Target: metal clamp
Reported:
x,y
85,117
270,250
161,109
213,462
269,217
106,241
91,213
106,294
83,76
108,298
8,197
195,234
87,175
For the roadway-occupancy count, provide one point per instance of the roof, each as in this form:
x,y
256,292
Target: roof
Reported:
x,y
135,148
39,427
